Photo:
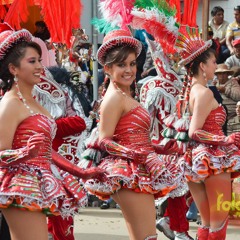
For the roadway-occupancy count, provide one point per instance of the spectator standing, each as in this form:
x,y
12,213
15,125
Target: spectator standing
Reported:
x,y
233,30
219,28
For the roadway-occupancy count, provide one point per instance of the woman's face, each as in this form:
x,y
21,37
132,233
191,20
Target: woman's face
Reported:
x,y
123,73
210,67
30,67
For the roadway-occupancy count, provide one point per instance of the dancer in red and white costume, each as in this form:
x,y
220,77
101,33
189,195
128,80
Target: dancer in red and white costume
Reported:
x,y
33,177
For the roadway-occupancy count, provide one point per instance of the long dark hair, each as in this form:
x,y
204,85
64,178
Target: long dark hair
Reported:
x,y
193,67
14,56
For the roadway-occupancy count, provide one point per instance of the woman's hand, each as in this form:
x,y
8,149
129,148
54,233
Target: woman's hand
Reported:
x,y
33,144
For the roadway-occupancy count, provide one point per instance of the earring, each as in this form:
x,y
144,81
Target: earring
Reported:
x,y
136,90
204,76
15,79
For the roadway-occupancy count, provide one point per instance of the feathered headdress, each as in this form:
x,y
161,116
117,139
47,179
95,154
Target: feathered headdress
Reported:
x,y
190,44
60,19
158,19
115,15
116,19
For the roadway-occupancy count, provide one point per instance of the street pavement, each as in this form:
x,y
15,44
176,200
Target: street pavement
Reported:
x,y
108,224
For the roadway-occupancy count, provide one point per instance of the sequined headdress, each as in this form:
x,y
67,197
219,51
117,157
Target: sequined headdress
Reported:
x,y
9,37
115,38
190,44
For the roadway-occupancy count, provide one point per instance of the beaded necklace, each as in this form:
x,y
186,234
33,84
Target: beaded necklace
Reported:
x,y
24,101
120,90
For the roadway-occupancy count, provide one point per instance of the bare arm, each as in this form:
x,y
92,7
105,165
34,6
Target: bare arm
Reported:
x,y
229,43
202,103
10,117
111,110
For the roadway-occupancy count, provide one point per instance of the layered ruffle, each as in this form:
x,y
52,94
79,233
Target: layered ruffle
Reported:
x,y
162,177
52,192
203,160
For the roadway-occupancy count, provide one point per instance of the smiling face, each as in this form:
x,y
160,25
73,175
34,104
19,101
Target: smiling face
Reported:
x,y
123,73
29,68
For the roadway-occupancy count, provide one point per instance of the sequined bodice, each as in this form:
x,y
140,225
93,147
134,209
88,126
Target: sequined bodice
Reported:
x,y
215,121
37,123
133,129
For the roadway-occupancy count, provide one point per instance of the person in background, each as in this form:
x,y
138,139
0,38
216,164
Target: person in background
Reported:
x,y
144,55
148,67
229,89
42,31
234,60
233,30
219,28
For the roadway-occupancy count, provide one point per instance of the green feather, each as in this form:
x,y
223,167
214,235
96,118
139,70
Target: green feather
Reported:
x,y
103,26
143,4
161,5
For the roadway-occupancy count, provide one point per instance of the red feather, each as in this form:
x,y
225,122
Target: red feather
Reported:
x,y
177,4
62,18
120,8
5,2
186,14
190,13
193,23
159,31
18,12
3,12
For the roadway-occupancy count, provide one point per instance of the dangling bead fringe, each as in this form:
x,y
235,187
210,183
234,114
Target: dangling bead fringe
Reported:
x,y
165,141
183,123
170,120
168,133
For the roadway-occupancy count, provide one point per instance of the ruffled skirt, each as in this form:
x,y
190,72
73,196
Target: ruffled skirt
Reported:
x,y
51,191
203,160
159,178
